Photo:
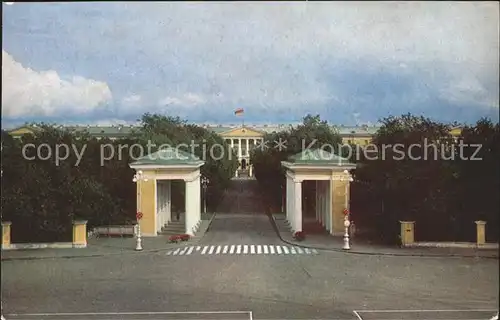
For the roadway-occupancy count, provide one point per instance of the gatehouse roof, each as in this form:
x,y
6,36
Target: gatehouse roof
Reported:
x,y
171,156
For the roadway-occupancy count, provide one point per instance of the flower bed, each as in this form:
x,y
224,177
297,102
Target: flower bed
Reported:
x,y
299,236
179,237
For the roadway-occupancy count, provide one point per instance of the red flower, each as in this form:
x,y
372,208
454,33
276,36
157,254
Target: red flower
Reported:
x,y
299,235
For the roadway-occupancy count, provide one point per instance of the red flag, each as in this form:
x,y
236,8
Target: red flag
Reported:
x,y
238,111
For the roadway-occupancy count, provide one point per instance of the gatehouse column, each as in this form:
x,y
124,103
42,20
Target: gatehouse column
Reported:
x,y
320,201
298,205
328,205
159,206
323,204
190,200
288,200
146,190
165,200
316,199
198,203
168,192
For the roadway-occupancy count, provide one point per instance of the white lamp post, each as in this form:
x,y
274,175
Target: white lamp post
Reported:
x,y
347,223
204,182
138,178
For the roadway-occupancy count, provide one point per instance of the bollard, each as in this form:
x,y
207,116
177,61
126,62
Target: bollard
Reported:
x,y
80,234
480,232
6,237
407,232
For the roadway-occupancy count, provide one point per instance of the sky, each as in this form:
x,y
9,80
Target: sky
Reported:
x,y
352,63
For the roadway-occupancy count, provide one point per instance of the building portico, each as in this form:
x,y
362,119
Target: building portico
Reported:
x,y
242,140
332,179
154,190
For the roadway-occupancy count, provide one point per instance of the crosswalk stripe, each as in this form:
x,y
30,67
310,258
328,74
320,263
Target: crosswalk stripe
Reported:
x,y
242,249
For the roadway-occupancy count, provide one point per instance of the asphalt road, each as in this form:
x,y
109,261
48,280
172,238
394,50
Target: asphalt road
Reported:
x,y
327,285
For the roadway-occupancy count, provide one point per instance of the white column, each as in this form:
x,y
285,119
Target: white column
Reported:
x,y
326,214
168,193
248,151
298,205
288,199
165,200
239,148
316,199
328,205
198,203
232,144
321,199
190,215
159,213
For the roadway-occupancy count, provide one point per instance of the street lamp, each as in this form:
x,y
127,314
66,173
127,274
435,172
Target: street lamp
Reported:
x,y
138,178
347,223
204,182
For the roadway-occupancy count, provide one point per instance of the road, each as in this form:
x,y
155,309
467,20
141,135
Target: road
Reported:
x,y
321,285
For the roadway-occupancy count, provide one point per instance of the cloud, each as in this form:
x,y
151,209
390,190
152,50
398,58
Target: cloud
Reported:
x,y
187,100
26,92
277,53
132,101
278,60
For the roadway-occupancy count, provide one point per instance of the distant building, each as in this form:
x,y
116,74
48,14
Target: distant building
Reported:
x,y
241,138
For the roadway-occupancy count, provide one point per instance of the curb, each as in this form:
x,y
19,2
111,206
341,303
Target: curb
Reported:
x,y
104,254
421,255
208,227
87,256
206,230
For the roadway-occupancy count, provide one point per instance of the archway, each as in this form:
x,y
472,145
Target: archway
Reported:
x,y
243,164
154,191
331,192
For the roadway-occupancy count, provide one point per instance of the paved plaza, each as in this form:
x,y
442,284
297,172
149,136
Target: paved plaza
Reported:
x,y
320,285
327,285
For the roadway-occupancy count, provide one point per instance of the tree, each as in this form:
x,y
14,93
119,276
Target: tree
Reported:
x,y
421,177
312,133
220,162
